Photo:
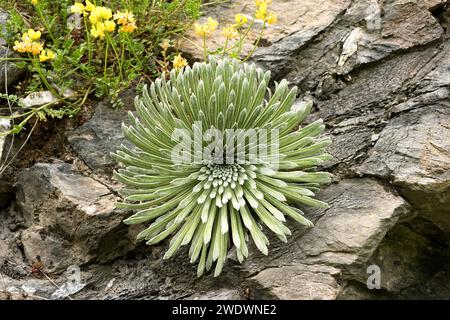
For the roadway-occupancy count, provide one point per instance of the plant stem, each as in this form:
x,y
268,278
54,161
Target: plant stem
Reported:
x,y
14,59
242,38
116,55
204,48
130,45
122,58
44,21
256,43
41,74
225,48
88,37
106,60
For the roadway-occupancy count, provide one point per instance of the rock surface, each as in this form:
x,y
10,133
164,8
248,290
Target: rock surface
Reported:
x,y
98,137
299,282
379,75
6,194
71,218
9,73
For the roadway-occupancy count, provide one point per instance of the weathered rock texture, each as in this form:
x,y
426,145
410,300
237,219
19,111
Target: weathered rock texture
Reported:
x,y
69,217
379,75
9,73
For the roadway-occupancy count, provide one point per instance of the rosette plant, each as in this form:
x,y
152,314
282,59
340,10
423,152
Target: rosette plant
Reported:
x,y
214,205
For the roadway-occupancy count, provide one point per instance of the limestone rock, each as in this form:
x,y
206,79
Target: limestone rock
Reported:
x,y
54,250
70,212
414,152
403,25
361,212
299,282
98,137
9,73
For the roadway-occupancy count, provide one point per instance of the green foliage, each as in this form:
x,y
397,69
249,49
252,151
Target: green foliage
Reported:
x,y
103,66
210,205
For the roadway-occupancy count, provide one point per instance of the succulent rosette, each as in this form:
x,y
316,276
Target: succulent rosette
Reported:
x,y
210,197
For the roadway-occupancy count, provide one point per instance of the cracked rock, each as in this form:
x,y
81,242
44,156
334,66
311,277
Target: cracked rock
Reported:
x,y
299,282
98,137
9,73
72,218
413,151
361,212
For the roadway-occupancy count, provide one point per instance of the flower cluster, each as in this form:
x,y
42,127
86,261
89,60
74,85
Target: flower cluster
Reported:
x,y
230,31
179,62
126,20
46,55
206,29
102,19
30,44
269,17
240,20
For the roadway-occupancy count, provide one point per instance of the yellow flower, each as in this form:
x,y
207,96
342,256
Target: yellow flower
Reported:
x,y
200,29
230,32
100,13
46,55
128,27
77,7
29,43
22,47
110,25
165,44
261,12
272,18
34,2
32,35
124,17
207,28
89,6
179,62
212,24
36,48
127,20
240,20
98,30
260,2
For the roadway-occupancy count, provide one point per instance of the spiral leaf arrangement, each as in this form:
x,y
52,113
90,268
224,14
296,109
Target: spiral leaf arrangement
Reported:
x,y
215,205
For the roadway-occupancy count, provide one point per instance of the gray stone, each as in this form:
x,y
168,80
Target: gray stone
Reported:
x,y
411,254
4,17
361,212
54,250
4,126
299,282
413,151
98,137
403,25
73,213
9,73
74,283
358,33
40,98
312,17
6,194
299,22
